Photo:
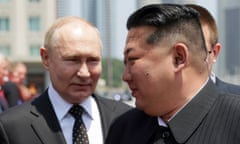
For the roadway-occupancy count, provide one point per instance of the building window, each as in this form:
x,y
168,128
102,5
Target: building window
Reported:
x,y
35,49
5,50
34,23
4,24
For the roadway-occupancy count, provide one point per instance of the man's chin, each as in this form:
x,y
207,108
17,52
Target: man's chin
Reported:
x,y
78,99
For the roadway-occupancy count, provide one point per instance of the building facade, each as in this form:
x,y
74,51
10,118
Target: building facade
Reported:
x,y
22,27
228,65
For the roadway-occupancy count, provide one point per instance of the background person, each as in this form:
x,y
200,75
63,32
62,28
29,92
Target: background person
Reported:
x,y
210,32
10,89
166,68
72,56
18,76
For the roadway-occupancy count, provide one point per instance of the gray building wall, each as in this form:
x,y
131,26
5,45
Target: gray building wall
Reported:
x,y
228,64
22,41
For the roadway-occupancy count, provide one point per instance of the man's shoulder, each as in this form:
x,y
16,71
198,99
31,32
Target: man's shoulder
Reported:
x,y
135,115
133,120
112,104
229,101
16,112
228,87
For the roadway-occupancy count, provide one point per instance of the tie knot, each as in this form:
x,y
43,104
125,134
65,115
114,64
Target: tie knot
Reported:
x,y
76,111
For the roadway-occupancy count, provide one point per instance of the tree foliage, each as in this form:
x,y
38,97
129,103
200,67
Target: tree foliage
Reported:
x,y
117,69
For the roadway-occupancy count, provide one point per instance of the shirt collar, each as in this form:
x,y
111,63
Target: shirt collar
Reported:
x,y
61,106
213,77
161,122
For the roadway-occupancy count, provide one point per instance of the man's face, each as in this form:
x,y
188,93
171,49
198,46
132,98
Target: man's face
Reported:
x,y
21,71
75,65
148,70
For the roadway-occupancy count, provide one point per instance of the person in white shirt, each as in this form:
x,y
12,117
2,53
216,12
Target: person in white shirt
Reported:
x,y
72,56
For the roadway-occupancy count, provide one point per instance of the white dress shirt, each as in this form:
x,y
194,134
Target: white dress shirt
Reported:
x,y
213,77
91,117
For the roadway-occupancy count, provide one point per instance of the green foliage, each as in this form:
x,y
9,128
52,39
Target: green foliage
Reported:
x,y
117,69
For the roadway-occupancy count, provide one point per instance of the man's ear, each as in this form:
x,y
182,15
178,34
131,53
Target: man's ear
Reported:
x,y
180,55
44,57
216,51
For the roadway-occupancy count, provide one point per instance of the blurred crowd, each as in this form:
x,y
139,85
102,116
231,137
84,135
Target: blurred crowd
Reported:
x,y
13,88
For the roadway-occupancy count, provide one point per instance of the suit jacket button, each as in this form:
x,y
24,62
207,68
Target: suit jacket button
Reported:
x,y
165,134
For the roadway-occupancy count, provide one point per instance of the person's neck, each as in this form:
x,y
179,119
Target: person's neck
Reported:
x,y
190,89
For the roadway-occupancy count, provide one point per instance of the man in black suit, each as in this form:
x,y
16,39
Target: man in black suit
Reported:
x,y
210,32
12,93
72,55
166,68
9,92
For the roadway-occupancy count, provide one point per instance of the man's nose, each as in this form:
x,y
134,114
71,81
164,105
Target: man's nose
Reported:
x,y
83,71
126,76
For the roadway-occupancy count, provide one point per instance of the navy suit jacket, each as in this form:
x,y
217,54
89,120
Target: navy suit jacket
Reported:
x,y
211,117
227,87
3,104
35,122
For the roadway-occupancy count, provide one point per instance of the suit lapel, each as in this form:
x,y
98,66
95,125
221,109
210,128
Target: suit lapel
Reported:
x,y
109,110
189,118
44,121
105,113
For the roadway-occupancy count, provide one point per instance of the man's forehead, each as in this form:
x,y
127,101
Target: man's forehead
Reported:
x,y
140,32
134,35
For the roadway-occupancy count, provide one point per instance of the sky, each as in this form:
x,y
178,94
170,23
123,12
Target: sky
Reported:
x,y
211,5
123,10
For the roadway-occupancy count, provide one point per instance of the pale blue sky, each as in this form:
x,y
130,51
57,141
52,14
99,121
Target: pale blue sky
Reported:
x,y
211,5
123,9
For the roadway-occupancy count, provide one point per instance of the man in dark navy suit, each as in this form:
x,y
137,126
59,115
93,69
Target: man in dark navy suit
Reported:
x,y
210,32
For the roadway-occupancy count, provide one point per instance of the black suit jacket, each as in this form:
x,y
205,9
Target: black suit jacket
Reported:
x,y
227,87
36,122
12,93
3,104
211,117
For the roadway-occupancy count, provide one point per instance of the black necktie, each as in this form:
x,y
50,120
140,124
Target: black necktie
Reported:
x,y
163,135
79,130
